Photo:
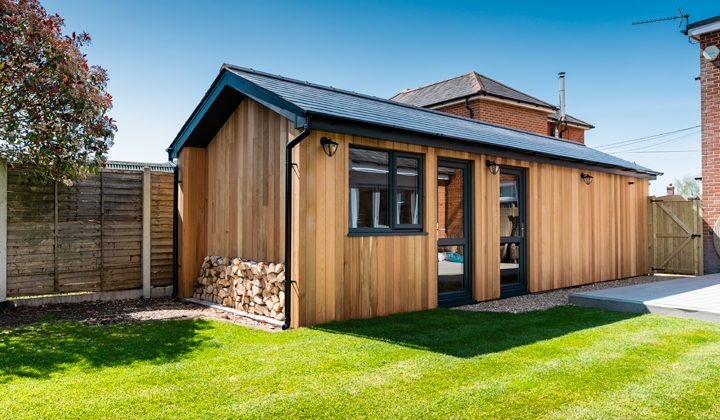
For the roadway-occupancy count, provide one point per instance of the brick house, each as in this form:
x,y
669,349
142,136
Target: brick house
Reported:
x,y
707,34
477,96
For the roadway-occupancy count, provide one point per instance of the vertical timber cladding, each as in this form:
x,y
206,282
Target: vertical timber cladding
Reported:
x,y
343,277
245,177
192,201
580,234
232,196
577,234
231,203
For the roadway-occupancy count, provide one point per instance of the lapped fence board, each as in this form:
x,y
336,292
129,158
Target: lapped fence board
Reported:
x,y
87,237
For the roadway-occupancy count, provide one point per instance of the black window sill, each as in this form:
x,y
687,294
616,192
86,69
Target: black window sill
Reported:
x,y
388,233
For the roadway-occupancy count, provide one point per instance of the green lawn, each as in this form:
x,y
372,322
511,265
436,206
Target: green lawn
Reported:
x,y
564,362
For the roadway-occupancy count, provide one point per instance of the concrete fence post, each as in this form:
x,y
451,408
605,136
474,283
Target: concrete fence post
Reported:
x,y
3,230
146,232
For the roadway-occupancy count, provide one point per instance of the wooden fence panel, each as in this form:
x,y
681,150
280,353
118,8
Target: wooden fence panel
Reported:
x,y
122,230
87,237
162,229
78,253
31,237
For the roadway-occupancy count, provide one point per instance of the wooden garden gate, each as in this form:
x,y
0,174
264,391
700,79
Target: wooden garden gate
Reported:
x,y
676,235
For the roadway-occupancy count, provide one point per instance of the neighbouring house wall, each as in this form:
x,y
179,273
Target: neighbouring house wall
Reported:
x,y
572,133
710,100
524,118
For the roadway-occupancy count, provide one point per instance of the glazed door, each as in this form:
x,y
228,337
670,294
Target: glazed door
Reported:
x,y
453,229
512,232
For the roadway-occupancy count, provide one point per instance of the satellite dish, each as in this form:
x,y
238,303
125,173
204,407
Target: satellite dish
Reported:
x,y
711,53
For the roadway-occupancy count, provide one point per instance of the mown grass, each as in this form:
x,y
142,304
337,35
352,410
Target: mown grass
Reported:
x,y
563,362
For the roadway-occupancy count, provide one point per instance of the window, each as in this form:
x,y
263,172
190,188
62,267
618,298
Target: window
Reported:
x,y
385,191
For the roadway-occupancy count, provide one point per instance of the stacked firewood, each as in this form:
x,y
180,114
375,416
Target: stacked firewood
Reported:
x,y
254,287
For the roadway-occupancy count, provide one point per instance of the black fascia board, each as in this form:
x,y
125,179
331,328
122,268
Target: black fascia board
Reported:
x,y
219,102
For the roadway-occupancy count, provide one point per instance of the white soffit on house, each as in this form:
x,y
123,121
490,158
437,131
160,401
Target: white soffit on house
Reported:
x,y
700,30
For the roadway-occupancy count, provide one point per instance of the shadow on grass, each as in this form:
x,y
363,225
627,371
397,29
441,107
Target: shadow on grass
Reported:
x,y
39,351
468,334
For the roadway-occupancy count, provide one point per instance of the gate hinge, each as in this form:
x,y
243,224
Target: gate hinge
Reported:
x,y
696,235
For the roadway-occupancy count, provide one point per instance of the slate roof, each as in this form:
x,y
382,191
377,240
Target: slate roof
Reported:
x,y
317,101
462,86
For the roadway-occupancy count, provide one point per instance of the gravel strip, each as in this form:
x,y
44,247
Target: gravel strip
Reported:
x,y
131,310
545,300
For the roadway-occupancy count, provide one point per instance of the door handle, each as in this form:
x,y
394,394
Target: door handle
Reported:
x,y
522,230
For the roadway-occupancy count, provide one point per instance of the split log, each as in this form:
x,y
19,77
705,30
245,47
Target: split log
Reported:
x,y
253,287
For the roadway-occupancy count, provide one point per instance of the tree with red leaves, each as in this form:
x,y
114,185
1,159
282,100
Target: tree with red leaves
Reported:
x,y
53,105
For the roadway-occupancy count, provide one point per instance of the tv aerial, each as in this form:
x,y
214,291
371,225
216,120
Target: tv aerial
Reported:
x,y
682,17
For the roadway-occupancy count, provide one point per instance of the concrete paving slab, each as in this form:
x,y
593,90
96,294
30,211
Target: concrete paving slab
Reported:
x,y
693,297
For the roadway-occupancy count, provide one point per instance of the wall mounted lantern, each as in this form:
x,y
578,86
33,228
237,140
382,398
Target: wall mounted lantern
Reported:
x,y
587,178
329,146
492,166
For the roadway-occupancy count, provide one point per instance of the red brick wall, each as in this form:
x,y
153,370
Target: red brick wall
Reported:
x,y
572,133
710,102
442,209
454,205
504,114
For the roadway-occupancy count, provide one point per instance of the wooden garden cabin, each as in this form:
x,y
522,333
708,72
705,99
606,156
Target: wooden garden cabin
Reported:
x,y
395,208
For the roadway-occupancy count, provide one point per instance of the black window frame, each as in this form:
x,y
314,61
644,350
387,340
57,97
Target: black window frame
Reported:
x,y
394,228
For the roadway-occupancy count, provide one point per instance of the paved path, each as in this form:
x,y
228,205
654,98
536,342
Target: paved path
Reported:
x,y
693,297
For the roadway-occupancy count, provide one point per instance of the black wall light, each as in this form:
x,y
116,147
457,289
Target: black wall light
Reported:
x,y
492,166
587,178
329,146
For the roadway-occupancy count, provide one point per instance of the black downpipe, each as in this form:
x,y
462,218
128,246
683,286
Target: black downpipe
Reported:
x,y
175,232
288,219
467,106
563,130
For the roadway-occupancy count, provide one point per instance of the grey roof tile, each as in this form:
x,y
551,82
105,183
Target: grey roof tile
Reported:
x,y
572,120
462,86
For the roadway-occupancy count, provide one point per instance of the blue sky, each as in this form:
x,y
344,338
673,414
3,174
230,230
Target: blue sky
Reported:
x,y
630,81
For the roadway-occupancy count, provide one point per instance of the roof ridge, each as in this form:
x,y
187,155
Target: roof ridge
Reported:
x,y
376,98
518,91
478,81
406,90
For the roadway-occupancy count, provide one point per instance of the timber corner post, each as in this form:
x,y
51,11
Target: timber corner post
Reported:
x,y
146,232
3,230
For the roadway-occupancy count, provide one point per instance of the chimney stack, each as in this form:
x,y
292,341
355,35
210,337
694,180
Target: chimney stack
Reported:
x,y
561,111
671,189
